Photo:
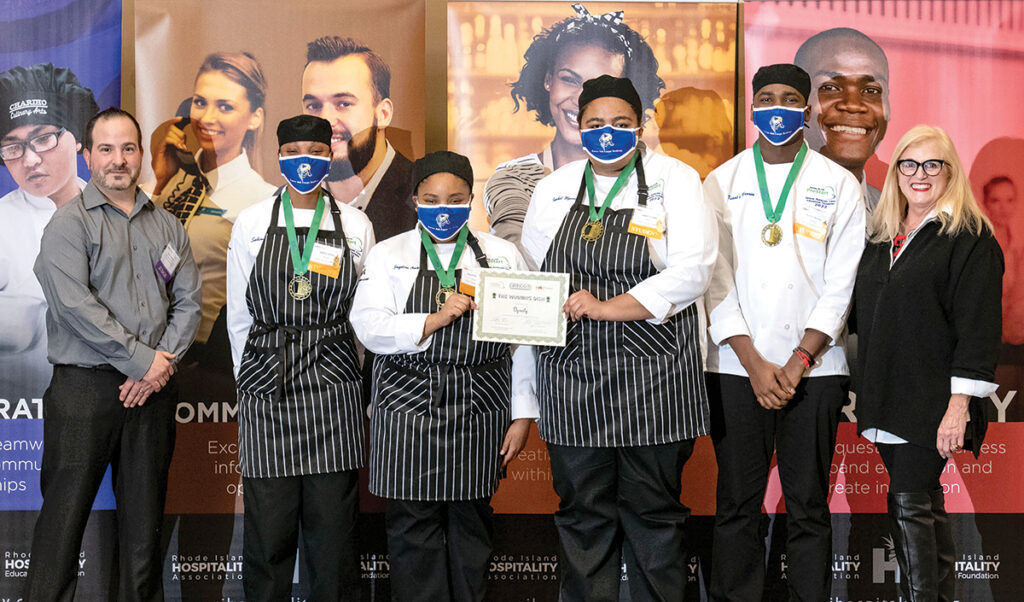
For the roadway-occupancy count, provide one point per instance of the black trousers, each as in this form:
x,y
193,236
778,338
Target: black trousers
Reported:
x,y
85,429
439,550
912,468
745,435
324,508
607,493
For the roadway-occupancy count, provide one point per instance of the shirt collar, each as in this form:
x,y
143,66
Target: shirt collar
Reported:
x,y
225,174
363,198
92,198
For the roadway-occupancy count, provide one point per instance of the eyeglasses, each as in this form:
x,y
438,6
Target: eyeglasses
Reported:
x,y
38,144
932,167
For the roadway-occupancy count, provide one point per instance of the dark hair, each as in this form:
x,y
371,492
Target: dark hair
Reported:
x,y
243,69
641,67
110,113
995,182
330,48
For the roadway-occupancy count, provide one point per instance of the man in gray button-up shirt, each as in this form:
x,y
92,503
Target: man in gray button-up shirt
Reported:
x,y
123,296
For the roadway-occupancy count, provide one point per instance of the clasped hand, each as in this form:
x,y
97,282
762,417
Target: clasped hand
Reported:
x,y
136,392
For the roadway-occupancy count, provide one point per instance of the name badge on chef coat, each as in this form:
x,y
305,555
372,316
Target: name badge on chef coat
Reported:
x,y
325,260
813,212
168,262
468,281
648,221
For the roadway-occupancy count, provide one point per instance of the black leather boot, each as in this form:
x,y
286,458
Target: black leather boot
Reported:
x,y
913,532
945,547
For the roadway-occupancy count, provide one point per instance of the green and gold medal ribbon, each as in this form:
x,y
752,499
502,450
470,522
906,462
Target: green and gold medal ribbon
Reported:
x,y
446,276
774,215
300,263
588,176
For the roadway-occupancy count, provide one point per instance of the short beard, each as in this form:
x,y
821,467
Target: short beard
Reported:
x,y
359,156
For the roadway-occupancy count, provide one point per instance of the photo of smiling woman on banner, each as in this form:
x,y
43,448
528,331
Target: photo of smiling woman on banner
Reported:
x,y
207,187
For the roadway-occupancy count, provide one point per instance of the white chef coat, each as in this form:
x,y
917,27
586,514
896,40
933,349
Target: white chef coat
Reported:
x,y
246,240
24,368
684,255
773,294
378,311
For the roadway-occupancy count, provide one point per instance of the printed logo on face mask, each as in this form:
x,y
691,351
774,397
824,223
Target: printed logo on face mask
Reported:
x,y
443,220
305,171
606,140
776,124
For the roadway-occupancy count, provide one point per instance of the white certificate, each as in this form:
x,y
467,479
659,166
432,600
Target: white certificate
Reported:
x,y
521,308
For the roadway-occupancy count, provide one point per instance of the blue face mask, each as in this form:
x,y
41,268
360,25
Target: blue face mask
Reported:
x,y
608,144
304,172
443,222
778,124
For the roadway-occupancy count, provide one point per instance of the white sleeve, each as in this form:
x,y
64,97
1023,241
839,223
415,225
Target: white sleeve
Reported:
x,y
524,383
691,242
535,239
843,249
240,261
377,315
972,387
725,318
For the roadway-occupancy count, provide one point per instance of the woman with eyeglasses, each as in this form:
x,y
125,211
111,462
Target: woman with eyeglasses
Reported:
x,y
927,305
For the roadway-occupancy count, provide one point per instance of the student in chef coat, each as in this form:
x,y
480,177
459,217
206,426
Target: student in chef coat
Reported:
x,y
623,401
293,263
445,419
791,226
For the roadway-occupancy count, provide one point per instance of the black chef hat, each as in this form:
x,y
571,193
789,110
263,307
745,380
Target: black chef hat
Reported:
x,y
783,73
44,94
616,87
304,128
441,162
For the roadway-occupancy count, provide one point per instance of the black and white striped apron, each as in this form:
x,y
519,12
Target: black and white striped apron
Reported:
x,y
440,415
299,384
618,384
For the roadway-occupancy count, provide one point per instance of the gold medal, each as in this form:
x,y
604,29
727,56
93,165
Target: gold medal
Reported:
x,y
592,230
771,235
300,287
442,295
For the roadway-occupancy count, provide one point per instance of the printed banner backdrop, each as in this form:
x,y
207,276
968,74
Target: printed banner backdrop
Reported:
x,y
877,69
515,70
234,104
84,37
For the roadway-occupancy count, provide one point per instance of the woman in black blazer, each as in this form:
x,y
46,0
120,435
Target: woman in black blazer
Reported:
x,y
928,315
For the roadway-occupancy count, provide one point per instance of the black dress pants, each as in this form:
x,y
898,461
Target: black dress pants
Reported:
x,y
439,550
324,507
607,493
745,435
85,429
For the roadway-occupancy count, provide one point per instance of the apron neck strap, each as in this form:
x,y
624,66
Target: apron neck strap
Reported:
x,y
641,183
471,241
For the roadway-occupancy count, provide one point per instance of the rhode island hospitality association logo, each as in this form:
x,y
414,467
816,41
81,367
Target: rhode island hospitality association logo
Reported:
x,y
206,567
523,567
846,567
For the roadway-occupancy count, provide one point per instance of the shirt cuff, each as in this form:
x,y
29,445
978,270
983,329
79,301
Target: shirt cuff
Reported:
x,y
721,330
646,295
409,329
525,406
138,364
828,322
971,387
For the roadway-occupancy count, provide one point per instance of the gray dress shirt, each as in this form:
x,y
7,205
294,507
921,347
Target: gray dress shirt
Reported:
x,y
107,303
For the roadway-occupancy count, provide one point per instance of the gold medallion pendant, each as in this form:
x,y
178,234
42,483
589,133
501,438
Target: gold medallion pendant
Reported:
x,y
442,296
771,235
300,287
592,230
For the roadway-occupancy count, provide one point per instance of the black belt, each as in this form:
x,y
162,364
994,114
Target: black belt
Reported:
x,y
100,368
